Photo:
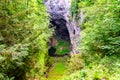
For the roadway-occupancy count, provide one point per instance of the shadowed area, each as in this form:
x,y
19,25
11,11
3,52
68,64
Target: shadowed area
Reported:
x,y
60,28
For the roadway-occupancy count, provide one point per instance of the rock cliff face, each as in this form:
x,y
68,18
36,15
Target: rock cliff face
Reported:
x,y
66,29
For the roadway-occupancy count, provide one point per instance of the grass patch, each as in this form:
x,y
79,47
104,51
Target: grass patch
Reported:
x,y
59,68
62,47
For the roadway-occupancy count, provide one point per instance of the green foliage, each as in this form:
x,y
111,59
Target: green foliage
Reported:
x,y
24,34
74,8
13,62
85,3
75,63
102,24
105,68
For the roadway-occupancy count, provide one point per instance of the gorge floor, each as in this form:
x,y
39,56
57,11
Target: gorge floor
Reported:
x,y
59,68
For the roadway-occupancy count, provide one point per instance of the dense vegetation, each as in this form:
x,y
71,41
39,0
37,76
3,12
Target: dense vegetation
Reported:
x,y
100,42
24,34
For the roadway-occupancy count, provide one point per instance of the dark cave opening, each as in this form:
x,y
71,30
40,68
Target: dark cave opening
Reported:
x,y
60,28
61,34
52,51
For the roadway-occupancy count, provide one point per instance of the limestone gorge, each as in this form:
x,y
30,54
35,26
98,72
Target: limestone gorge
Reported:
x,y
59,39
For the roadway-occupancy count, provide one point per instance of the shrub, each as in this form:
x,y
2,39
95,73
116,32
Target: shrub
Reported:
x,y
75,63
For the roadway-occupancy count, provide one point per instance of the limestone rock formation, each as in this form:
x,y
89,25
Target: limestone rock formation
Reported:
x,y
66,29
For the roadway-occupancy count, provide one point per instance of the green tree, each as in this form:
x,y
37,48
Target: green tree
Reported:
x,y
102,29
24,34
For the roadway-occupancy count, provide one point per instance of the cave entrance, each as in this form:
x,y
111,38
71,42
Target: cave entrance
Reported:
x,y
61,30
60,41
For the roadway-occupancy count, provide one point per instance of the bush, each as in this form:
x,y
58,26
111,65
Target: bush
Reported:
x,y
75,63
